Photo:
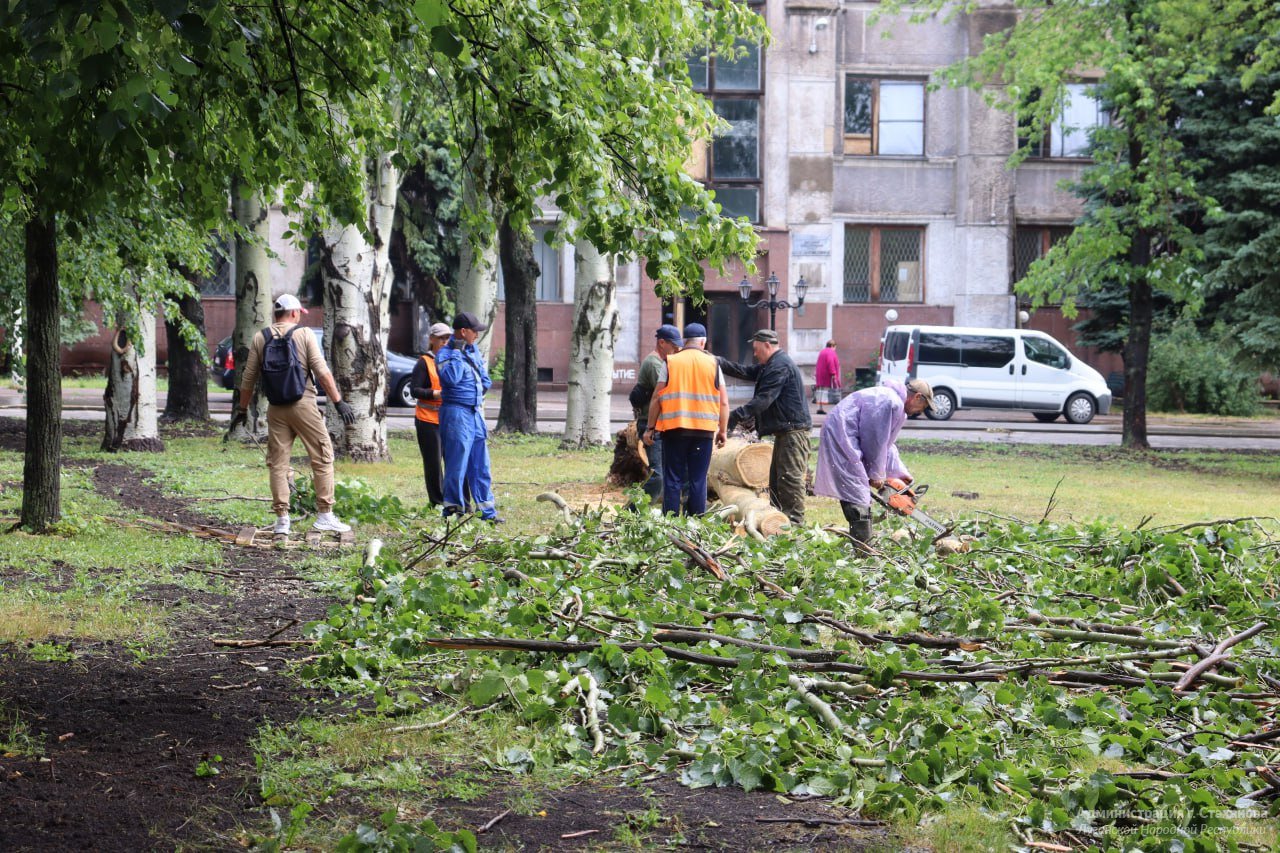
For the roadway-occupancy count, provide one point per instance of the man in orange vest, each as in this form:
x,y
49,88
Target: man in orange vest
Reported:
x,y
425,386
690,407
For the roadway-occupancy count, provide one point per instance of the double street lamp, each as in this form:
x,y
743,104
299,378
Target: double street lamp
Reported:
x,y
773,302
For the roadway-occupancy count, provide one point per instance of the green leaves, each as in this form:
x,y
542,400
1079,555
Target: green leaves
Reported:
x,y
893,745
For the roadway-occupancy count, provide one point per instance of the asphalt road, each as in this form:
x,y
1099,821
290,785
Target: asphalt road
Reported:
x,y
980,426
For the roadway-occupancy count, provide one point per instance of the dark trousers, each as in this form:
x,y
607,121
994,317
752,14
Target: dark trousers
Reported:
x,y
788,472
685,460
432,460
653,486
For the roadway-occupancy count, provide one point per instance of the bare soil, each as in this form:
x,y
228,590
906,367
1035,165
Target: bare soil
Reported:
x,y
124,735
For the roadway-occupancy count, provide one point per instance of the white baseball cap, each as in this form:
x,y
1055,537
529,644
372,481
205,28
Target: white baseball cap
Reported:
x,y
439,330
289,302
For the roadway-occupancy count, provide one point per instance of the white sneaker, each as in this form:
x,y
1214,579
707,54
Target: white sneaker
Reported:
x,y
329,521
282,526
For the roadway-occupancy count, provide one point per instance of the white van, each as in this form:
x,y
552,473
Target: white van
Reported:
x,y
994,369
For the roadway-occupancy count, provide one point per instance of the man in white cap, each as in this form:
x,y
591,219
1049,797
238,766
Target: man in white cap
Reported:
x,y
287,356
857,450
424,384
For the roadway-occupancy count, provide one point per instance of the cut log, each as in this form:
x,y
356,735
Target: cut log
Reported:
x,y
630,458
753,510
741,463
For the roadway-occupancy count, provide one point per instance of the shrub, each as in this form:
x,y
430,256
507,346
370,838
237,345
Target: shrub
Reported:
x,y
1192,371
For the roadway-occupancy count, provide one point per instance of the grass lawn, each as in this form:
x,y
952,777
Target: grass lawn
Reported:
x,y
1171,487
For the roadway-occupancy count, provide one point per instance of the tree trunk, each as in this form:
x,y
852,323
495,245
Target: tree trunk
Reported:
x,y
130,398
357,303
477,282
519,409
253,297
1137,349
595,330
188,398
41,488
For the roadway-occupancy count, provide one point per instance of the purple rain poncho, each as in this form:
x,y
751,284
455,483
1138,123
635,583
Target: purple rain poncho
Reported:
x,y
857,443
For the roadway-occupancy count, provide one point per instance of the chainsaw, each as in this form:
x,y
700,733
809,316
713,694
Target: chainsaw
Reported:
x,y
900,499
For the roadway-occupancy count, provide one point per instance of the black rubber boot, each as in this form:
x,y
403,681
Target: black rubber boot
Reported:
x,y
859,518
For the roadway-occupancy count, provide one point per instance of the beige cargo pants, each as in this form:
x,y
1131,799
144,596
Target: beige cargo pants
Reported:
x,y
299,420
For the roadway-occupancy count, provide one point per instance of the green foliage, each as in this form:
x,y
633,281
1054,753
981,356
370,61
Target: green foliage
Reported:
x,y
1203,373
352,499
1232,141
396,837
590,105
1019,741
208,767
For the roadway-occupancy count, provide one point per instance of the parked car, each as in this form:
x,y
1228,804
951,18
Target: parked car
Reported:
x,y
399,371
995,369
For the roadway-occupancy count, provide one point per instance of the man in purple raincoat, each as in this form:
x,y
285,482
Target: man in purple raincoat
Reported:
x,y
857,450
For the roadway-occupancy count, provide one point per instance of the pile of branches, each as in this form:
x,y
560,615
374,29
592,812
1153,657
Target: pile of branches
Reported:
x,y
1096,686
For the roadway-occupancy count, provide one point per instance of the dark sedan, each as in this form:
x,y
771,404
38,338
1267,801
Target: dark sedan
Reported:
x,y
399,369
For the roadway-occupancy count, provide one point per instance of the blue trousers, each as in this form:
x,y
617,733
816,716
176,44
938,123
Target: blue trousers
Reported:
x,y
685,461
466,460
653,486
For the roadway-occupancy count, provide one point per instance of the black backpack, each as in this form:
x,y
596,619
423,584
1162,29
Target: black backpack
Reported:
x,y
284,376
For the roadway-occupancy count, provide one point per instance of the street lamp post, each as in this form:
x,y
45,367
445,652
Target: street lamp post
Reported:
x,y
773,302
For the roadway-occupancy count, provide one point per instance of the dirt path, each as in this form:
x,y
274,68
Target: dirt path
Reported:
x,y
124,737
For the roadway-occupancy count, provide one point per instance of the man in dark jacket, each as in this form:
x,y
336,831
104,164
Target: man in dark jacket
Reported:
x,y
779,409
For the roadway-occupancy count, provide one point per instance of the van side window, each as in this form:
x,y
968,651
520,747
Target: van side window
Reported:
x,y
987,351
937,348
1044,352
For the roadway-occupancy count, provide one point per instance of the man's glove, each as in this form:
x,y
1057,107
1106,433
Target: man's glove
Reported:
x,y
239,417
736,417
347,414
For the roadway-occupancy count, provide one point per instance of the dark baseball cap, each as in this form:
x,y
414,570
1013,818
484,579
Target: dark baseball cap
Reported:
x,y
667,332
467,320
695,330
765,336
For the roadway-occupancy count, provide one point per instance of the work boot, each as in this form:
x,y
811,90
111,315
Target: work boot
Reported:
x,y
859,518
329,522
282,526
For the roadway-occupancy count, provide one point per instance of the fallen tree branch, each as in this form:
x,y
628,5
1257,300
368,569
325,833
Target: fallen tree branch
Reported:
x,y
1218,655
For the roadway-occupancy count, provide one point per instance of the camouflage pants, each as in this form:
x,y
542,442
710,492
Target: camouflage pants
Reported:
x,y
789,471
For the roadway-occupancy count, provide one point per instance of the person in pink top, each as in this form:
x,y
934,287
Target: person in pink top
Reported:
x,y
827,376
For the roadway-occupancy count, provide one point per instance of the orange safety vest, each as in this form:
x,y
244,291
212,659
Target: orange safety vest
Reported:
x,y
429,410
691,399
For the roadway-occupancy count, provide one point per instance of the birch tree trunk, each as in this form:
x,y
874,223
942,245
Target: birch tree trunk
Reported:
x,y
595,330
477,282
357,276
519,409
253,297
130,398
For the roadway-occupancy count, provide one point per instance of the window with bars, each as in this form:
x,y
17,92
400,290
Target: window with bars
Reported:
x,y
883,117
221,280
730,165
883,264
1069,135
1031,243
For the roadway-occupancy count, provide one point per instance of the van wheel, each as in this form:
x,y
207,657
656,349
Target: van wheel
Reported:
x,y
1080,409
944,406
1046,417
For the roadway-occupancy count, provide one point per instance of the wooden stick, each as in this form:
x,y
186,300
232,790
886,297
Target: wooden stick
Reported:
x,y
1218,655
492,823
821,821
579,834
434,724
